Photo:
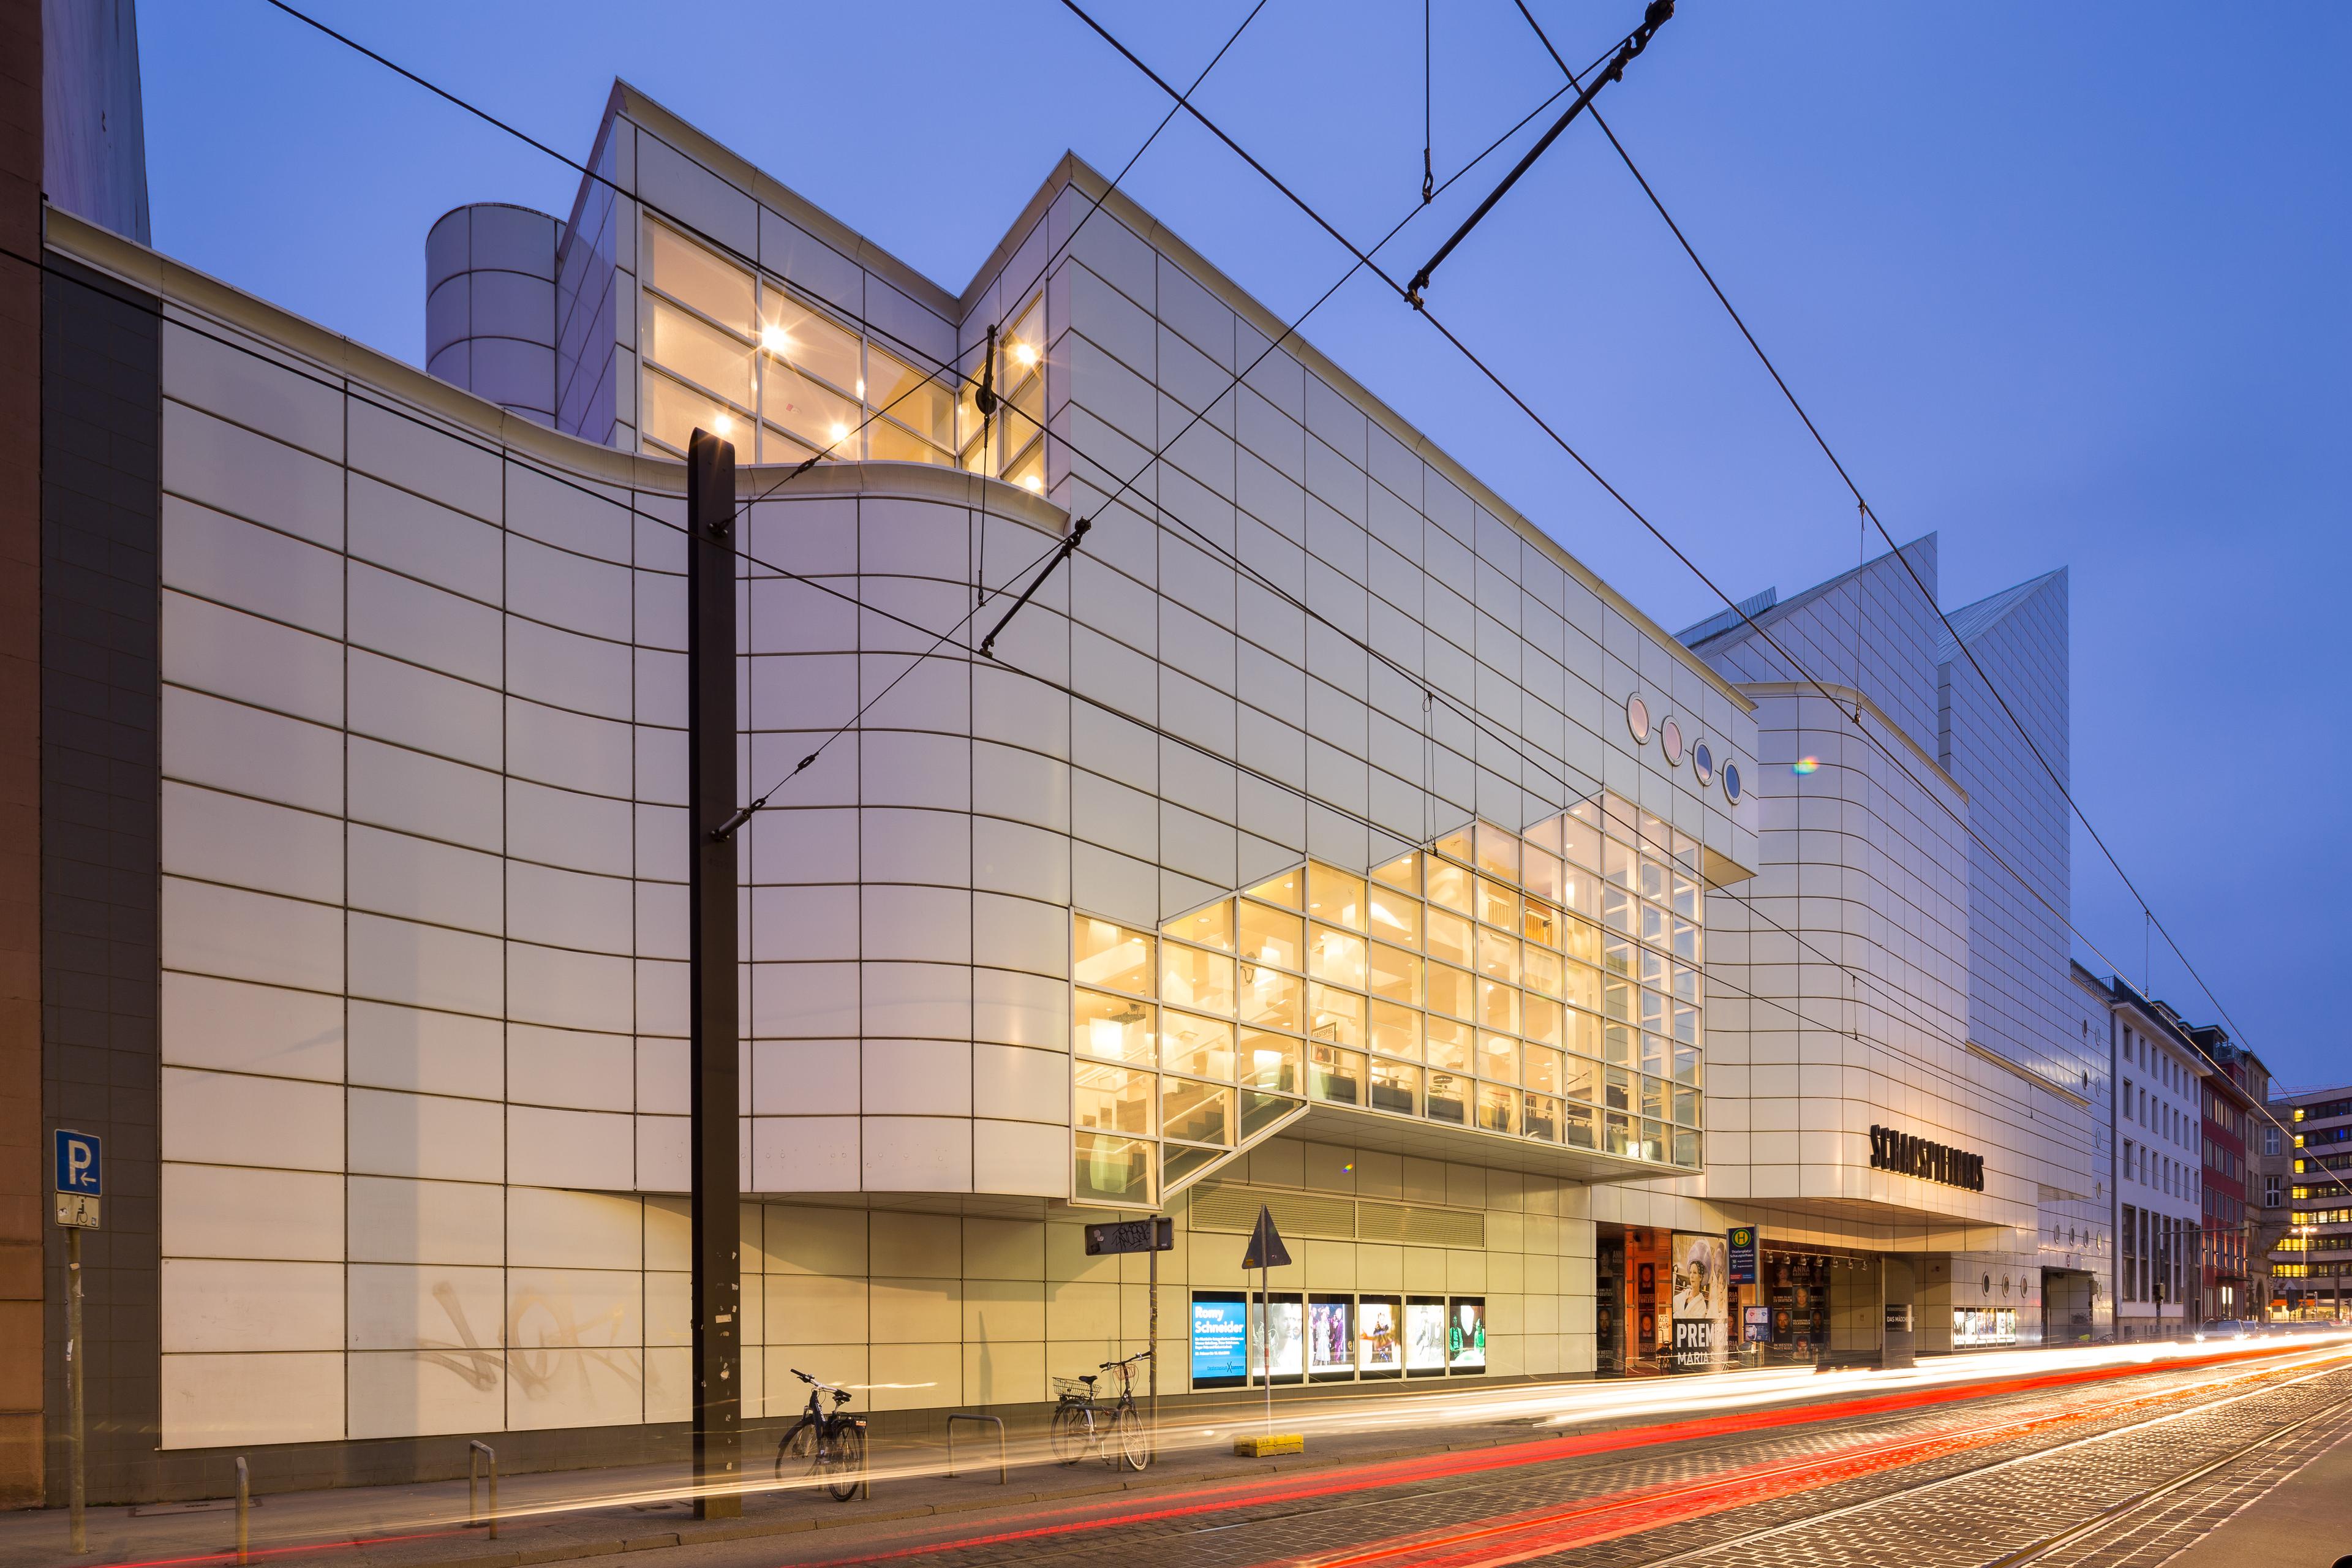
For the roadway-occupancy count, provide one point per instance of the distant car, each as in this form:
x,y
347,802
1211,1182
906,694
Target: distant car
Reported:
x,y
2228,1329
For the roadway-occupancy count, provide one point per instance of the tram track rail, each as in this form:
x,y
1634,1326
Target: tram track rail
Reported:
x,y
1591,1521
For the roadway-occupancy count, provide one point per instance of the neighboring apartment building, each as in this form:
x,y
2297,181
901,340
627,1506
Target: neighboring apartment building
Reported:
x,y
1323,837
2160,1075
2313,1255
2235,1094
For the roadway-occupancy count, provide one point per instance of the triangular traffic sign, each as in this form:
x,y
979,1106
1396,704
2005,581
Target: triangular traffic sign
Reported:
x,y
1265,1248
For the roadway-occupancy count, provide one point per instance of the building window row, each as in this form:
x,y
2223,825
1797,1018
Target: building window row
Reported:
x,y
1543,985
745,356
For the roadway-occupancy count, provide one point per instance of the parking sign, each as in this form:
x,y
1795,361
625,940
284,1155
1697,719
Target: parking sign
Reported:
x,y
78,1164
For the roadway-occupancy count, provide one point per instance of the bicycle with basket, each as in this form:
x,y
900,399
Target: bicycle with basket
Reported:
x,y
1084,1425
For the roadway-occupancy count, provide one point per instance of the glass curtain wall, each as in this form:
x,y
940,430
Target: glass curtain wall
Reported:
x,y
1543,985
742,354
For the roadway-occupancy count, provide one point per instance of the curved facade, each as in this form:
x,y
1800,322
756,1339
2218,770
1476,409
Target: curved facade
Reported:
x,y
1322,836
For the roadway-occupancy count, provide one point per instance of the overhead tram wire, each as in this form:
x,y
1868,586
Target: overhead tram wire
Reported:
x,y
1560,441
1365,260
1870,514
1080,527
1181,104
950,366
343,388
1060,552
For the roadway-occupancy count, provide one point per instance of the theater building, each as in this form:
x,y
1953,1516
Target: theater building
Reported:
x,y
1323,837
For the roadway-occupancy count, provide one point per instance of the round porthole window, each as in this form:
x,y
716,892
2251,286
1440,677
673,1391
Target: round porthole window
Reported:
x,y
1988,1284
1703,762
1731,782
1637,720
1670,735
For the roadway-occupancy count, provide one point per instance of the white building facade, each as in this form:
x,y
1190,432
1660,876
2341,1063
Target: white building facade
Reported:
x,y
1322,836
2159,1132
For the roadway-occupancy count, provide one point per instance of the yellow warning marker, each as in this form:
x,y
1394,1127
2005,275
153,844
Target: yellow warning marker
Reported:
x,y
1268,1445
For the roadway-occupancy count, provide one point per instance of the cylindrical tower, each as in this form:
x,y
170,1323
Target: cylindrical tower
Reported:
x,y
489,305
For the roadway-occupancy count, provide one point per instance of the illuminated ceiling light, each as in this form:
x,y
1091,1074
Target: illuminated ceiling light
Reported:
x,y
724,425
1033,483
1024,354
774,339
840,432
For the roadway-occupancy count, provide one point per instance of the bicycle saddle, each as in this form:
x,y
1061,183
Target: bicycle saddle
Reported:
x,y
1088,1378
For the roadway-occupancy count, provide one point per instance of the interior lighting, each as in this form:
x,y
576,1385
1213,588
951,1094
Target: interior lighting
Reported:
x,y
840,432
1024,354
1033,482
774,339
724,425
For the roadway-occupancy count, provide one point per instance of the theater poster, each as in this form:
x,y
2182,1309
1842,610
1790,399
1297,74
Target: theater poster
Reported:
x,y
1701,1300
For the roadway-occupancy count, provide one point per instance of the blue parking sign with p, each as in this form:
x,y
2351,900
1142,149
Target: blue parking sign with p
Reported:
x,y
78,1163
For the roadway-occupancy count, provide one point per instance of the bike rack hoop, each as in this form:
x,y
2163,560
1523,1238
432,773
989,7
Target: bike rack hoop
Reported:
x,y
995,1421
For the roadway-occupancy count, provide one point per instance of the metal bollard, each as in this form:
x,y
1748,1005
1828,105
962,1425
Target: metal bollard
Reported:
x,y
476,1453
994,1421
244,1511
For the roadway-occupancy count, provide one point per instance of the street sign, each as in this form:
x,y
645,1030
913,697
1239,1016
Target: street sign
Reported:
x,y
1742,1239
78,1167
76,1212
1131,1235
1265,1248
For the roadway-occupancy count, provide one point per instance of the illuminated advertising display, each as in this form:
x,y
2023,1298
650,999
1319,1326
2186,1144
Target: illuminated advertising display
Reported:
x,y
1380,1336
1220,1340
1424,1336
1330,1342
1974,1327
1289,1338
1466,1332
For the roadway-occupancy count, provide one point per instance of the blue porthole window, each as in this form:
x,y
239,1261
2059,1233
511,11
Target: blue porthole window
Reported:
x,y
1731,782
1703,762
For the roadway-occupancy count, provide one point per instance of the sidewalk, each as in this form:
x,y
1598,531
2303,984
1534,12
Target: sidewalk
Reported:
x,y
549,1516
593,1513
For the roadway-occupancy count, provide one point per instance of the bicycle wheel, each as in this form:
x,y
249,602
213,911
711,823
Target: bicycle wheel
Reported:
x,y
1134,1444
845,1461
1070,1432
797,1452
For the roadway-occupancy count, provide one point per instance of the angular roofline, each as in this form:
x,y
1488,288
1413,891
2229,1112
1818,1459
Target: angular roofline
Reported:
x,y
1074,172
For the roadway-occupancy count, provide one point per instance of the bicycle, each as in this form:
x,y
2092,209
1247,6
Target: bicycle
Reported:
x,y
828,1444
1080,1423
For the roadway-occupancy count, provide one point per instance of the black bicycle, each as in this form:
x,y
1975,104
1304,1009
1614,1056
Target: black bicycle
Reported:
x,y
1115,1430
826,1444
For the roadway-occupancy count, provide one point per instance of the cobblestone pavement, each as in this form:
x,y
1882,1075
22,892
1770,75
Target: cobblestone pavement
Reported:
x,y
1960,1483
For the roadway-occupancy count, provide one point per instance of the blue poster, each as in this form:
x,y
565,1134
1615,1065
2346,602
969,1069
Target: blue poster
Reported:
x,y
1220,1338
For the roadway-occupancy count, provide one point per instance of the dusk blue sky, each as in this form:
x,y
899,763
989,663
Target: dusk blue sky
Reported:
x,y
2064,284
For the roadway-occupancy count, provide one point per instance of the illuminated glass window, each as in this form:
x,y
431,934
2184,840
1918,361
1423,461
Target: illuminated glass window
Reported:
x,y
741,355
1467,984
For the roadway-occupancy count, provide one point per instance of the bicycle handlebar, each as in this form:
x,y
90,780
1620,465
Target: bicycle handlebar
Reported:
x,y
1139,1355
837,1392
